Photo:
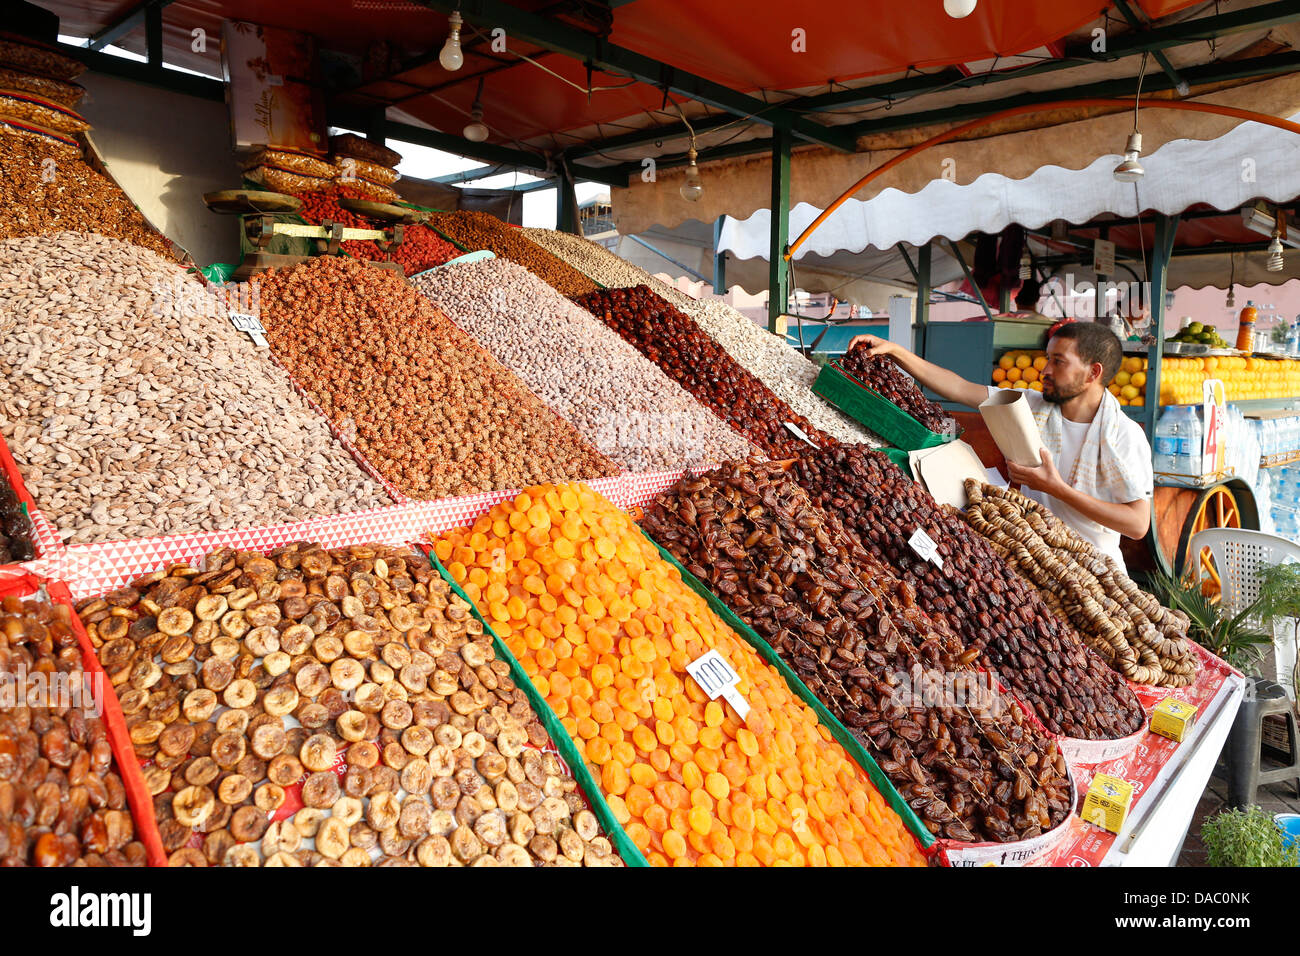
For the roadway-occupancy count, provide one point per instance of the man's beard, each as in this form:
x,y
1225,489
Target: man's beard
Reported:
x,y
1057,397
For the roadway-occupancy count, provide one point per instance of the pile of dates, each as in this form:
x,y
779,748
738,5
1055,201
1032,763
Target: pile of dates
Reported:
x,y
966,759
673,341
883,376
61,801
15,527
992,608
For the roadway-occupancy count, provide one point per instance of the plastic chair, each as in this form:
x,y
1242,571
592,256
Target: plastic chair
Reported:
x,y
1238,556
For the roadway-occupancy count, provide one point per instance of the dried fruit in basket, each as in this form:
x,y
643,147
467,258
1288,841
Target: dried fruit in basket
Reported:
x,y
881,374
340,696
606,628
62,802
1139,638
982,599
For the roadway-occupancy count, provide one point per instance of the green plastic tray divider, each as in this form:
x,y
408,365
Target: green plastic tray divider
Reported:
x,y
829,720
879,414
459,245
628,850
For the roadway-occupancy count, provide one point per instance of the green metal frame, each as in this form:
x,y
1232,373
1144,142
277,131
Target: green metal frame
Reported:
x,y
139,14
719,258
778,275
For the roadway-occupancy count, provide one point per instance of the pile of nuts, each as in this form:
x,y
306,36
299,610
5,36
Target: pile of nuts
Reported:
x,y
673,341
1129,628
480,230
61,801
43,191
981,598
968,762
881,374
606,628
429,408
15,526
421,248
135,409
768,357
619,400
340,697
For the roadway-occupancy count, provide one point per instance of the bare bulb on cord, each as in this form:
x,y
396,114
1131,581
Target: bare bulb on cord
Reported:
x,y
958,9
692,188
451,56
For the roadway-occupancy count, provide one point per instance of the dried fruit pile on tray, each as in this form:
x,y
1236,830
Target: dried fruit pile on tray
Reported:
x,y
248,684
964,757
981,598
15,526
606,628
1144,641
673,341
429,407
421,248
62,802
619,400
479,230
135,409
882,375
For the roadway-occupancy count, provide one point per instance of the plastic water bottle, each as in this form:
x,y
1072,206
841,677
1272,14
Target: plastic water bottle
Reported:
x,y
1168,435
1188,460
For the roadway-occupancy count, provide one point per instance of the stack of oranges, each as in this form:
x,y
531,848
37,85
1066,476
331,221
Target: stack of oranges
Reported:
x,y
605,629
1020,369
1023,369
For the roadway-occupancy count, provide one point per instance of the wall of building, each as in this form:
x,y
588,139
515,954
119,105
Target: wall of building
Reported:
x,y
167,150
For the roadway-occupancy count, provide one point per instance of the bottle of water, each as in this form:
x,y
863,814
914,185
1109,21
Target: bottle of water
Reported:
x,y
1188,460
1167,437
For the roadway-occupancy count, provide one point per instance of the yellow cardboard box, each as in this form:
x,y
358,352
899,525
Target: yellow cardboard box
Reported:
x,y
1173,718
1107,801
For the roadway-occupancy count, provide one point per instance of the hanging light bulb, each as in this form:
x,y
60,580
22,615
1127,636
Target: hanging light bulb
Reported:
x,y
1130,170
1026,265
451,58
692,188
1275,261
475,131
957,9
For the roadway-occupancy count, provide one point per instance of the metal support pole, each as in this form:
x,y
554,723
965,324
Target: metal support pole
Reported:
x,y
923,259
979,293
566,198
778,284
1166,227
719,258
153,36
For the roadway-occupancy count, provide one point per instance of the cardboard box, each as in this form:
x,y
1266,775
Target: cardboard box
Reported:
x,y
1107,802
1173,718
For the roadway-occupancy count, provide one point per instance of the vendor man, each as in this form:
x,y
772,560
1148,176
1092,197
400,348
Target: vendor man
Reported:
x,y
1096,469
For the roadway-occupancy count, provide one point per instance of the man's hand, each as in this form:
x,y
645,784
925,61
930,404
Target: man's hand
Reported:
x,y
876,345
1044,478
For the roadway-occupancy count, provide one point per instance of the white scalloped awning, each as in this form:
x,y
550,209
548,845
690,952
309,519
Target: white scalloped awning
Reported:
x,y
1252,161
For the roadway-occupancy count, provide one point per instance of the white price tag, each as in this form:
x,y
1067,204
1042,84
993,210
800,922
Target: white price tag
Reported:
x,y
717,678
250,325
924,545
799,433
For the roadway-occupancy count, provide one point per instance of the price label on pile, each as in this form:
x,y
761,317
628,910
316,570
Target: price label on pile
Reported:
x,y
798,432
715,675
924,545
250,325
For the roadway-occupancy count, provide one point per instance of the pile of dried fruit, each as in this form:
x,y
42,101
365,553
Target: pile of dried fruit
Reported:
x,y
43,191
134,408
1144,641
965,759
61,800
768,357
982,599
15,526
479,230
421,248
429,408
619,400
673,341
249,685
606,628
881,374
